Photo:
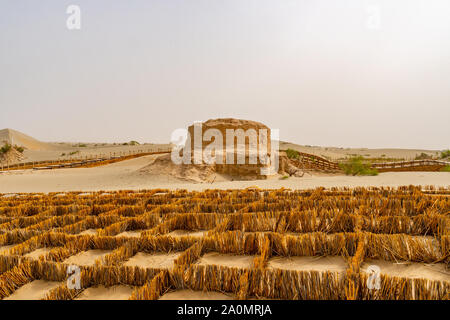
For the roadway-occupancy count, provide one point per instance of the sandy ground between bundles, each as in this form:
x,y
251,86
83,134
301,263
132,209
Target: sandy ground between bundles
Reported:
x,y
127,175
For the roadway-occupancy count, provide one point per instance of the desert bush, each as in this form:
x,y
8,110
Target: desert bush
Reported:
x,y
6,147
356,166
19,148
446,169
292,154
423,156
445,154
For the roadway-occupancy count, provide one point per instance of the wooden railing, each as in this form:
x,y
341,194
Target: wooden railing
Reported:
x,y
87,161
311,161
413,165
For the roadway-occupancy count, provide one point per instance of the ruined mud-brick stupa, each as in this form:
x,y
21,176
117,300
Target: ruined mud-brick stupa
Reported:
x,y
250,169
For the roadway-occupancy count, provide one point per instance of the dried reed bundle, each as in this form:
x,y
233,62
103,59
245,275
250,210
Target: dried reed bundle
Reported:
x,y
236,242
16,236
165,243
12,280
62,292
90,222
445,247
398,288
4,220
243,286
314,244
121,254
116,275
8,262
153,289
353,271
114,229
402,247
55,222
421,224
296,285
21,222
47,270
266,252
213,278
189,256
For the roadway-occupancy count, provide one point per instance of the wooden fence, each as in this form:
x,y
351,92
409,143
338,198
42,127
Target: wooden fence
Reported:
x,y
414,165
86,161
310,161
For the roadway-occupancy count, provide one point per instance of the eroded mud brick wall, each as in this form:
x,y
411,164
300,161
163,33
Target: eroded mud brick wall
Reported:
x,y
247,168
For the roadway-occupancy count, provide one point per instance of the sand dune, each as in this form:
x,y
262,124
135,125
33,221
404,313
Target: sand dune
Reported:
x,y
18,138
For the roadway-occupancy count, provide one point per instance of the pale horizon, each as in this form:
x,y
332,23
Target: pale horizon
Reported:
x,y
316,70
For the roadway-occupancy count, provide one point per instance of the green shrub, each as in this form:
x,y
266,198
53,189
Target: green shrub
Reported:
x,y
284,177
446,169
19,149
445,154
423,156
134,143
6,147
292,154
355,166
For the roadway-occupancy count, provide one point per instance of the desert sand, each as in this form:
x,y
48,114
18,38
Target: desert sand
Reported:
x,y
37,253
328,263
102,293
181,233
86,258
154,260
130,234
226,260
34,290
158,171
127,175
89,232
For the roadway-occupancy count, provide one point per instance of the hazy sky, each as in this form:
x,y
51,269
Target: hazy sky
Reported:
x,y
323,72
